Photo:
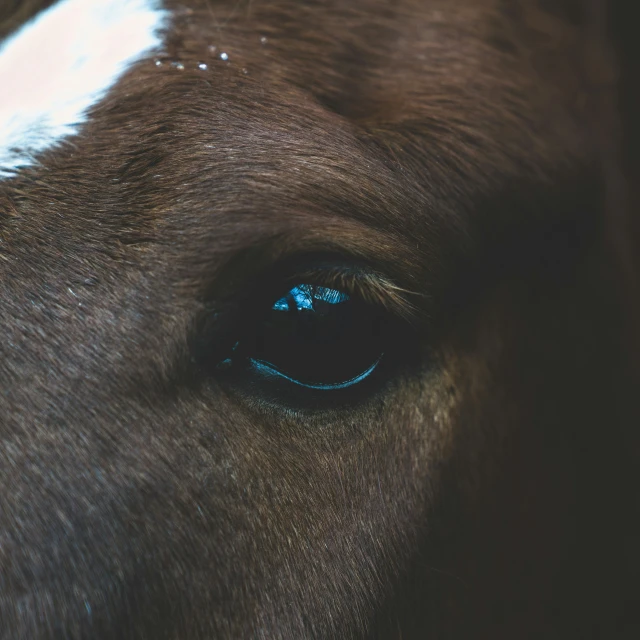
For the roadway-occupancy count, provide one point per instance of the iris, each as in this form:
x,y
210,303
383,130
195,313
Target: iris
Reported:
x,y
317,337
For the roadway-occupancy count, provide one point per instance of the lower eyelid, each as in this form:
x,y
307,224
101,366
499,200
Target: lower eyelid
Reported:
x,y
265,369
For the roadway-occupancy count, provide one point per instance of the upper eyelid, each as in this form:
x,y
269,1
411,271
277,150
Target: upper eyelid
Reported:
x,y
253,293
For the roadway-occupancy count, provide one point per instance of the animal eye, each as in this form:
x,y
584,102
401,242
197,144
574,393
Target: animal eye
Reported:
x,y
315,337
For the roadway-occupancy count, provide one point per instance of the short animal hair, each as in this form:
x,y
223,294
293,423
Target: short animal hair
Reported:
x,y
318,319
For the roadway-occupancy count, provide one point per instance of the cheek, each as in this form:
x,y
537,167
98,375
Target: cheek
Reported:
x,y
319,511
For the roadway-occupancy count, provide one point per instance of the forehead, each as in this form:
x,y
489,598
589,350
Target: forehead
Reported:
x,y
363,60
360,109
63,62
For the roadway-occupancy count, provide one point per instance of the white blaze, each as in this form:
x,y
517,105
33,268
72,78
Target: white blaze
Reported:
x,y
63,62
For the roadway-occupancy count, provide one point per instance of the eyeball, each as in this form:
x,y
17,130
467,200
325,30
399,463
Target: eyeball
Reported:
x,y
316,337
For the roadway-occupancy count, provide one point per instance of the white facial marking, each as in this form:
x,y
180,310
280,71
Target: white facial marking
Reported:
x,y
63,62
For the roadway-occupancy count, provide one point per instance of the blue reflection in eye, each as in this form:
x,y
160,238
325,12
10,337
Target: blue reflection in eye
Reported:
x,y
281,305
304,295
266,369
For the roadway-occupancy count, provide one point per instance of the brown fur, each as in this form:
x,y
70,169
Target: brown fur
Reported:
x,y
478,493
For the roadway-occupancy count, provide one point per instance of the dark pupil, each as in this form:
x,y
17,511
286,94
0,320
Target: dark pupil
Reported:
x,y
319,336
